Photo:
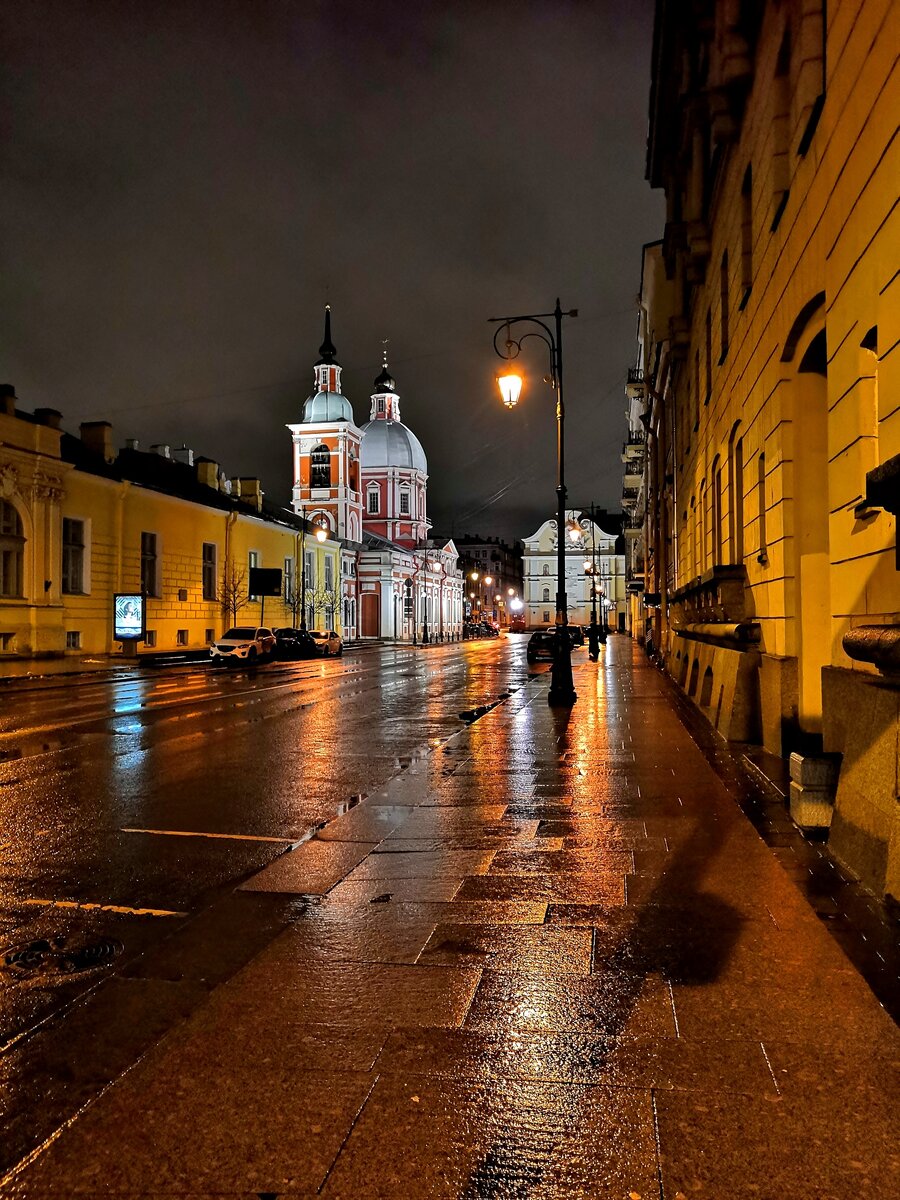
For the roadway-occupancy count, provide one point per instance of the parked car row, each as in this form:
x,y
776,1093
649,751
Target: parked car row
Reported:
x,y
542,643
478,629
251,644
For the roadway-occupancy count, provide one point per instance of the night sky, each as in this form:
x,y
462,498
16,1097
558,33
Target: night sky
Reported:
x,y
187,185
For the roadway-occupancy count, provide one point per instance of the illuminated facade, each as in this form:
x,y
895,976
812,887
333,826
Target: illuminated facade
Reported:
x,y
590,544
369,485
768,376
81,521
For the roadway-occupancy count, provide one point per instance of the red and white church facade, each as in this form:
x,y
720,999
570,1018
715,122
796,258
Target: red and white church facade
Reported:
x,y
367,485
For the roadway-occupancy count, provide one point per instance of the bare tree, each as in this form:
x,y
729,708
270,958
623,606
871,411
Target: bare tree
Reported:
x,y
326,601
233,595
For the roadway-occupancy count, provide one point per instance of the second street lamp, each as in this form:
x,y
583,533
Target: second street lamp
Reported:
x,y
562,688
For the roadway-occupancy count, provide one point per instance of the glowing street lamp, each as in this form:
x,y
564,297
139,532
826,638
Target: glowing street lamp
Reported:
x,y
562,688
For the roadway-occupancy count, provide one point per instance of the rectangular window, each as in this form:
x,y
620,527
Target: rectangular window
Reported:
x,y
73,639
181,637
546,616
404,504
723,294
209,571
150,638
7,643
763,556
210,636
747,236
708,357
149,564
309,560
72,557
288,580
252,561
372,501
329,573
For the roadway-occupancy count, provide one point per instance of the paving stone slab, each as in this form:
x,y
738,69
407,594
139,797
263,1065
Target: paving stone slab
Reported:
x,y
439,1138
400,864
204,1130
592,889
543,948
666,1063
311,870
354,995
616,1004
721,1145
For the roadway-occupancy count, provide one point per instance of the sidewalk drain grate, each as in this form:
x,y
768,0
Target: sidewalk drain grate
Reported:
x,y
54,957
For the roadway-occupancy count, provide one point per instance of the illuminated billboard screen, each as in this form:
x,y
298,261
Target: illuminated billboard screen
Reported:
x,y
128,617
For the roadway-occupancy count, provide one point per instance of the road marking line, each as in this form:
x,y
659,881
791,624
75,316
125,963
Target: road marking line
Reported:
x,y
231,837
113,908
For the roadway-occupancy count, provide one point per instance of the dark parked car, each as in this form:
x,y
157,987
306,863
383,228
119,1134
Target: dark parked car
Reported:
x,y
295,643
541,646
576,634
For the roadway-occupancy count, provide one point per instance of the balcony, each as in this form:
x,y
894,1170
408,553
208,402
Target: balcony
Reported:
x,y
634,387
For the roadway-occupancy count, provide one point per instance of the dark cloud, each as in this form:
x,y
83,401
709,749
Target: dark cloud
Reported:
x,y
186,185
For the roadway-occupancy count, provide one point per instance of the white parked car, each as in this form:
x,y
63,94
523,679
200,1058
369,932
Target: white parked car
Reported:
x,y
243,643
328,643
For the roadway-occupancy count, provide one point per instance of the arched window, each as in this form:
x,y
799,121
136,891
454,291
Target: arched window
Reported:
x,y
545,595
320,467
546,570
12,550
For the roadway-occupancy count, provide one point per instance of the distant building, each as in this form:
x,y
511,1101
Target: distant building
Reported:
x,y
368,484
590,545
486,558
768,369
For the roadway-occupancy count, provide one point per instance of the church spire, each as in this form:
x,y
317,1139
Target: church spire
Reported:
x,y
327,350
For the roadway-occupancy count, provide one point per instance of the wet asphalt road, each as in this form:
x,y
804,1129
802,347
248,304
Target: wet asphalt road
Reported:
x,y
159,790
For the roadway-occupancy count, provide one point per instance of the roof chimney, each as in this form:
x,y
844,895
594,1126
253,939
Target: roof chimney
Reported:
x,y
208,472
48,416
7,399
132,444
97,437
250,490
183,455
161,449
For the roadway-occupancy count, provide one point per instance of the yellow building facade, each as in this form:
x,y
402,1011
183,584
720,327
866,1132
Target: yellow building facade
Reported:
x,y
81,522
770,360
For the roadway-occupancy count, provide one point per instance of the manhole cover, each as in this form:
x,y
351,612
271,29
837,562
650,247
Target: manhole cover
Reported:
x,y
56,956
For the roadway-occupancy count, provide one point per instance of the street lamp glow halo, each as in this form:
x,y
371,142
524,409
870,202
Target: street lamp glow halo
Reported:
x,y
510,385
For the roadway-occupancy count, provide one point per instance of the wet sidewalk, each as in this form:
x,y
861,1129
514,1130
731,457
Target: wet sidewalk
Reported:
x,y
553,959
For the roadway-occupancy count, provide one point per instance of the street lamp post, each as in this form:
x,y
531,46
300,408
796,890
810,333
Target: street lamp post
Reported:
x,y
321,535
562,688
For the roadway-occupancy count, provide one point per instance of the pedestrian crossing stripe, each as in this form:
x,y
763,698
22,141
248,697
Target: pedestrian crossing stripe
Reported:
x,y
88,906
231,837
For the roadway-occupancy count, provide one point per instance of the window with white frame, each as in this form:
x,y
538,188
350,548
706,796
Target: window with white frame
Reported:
x,y
72,557
545,570
73,639
372,500
288,580
329,573
404,502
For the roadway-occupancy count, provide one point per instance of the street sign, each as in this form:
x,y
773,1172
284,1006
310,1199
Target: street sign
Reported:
x,y
264,581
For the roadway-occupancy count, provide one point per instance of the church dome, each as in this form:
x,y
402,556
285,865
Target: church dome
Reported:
x,y
326,406
391,444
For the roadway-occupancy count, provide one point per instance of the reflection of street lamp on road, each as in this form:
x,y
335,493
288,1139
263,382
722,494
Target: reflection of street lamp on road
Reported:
x,y
562,689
